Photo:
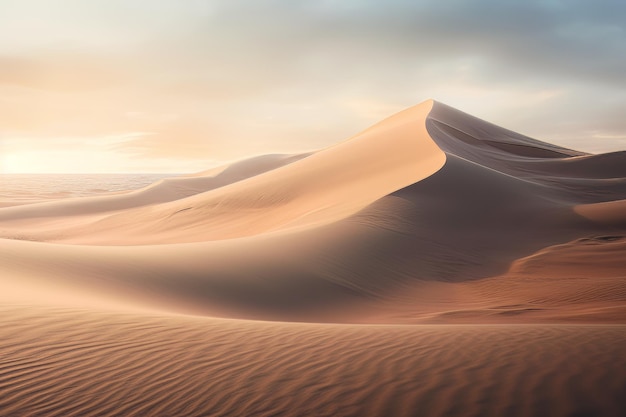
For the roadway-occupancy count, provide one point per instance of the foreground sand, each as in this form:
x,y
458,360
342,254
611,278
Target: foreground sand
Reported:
x,y
78,363
434,264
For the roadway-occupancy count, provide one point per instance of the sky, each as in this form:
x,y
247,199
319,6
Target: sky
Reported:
x,y
184,85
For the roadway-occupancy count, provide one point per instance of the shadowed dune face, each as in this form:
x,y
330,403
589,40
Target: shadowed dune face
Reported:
x,y
405,222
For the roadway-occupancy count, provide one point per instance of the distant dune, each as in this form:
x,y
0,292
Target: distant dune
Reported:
x,y
148,302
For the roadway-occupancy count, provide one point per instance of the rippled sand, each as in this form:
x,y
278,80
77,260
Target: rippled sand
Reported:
x,y
77,363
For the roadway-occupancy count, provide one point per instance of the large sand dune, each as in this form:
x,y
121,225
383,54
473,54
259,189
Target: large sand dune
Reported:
x,y
430,198
429,217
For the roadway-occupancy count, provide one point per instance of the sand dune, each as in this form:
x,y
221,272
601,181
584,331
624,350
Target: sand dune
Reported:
x,y
427,199
423,235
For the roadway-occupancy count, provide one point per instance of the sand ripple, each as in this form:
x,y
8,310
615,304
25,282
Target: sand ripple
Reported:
x,y
76,363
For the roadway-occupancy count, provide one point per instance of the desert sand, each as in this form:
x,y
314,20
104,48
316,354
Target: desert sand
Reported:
x,y
432,265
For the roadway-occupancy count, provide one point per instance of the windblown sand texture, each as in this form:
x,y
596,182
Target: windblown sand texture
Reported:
x,y
434,264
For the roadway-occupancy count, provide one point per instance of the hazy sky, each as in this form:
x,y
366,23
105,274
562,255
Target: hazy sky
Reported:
x,y
179,86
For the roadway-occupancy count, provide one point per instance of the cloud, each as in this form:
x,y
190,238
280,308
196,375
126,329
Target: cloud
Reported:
x,y
60,71
177,141
561,39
